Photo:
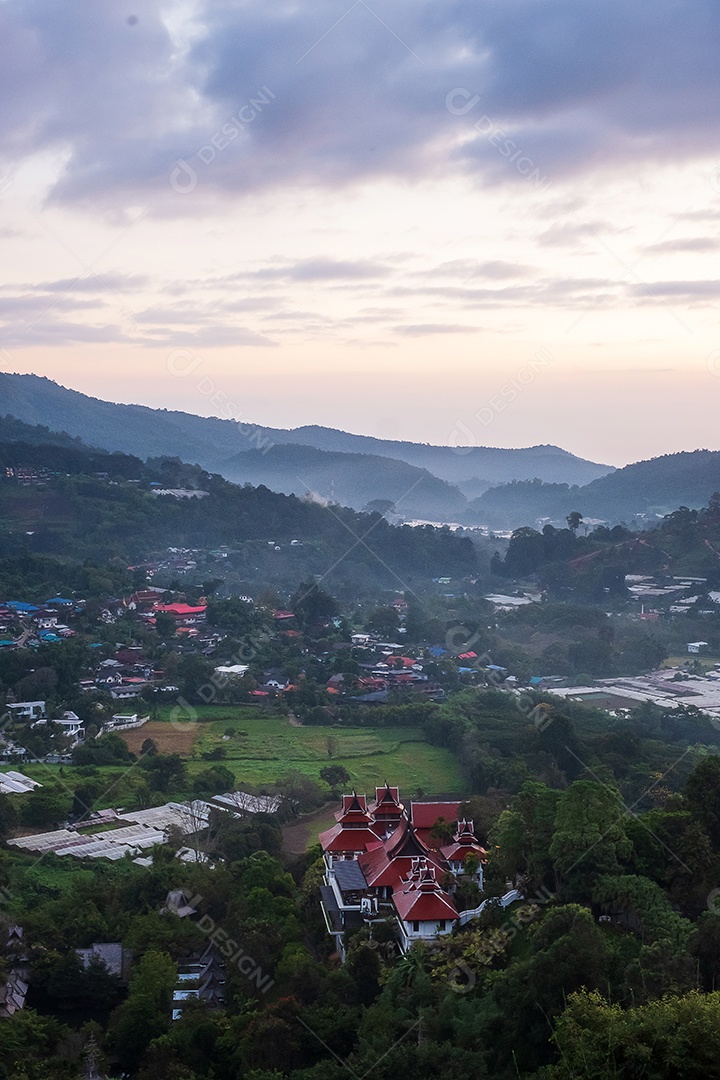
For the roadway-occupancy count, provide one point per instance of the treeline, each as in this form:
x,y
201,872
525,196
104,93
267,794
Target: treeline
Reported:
x,y
83,515
594,563
608,966
504,739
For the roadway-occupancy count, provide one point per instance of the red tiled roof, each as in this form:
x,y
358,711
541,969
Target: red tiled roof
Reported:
x,y
425,814
460,852
423,900
387,805
182,609
338,838
352,804
388,864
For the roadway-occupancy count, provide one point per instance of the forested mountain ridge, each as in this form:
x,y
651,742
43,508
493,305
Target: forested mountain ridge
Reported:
x,y
349,479
644,490
93,504
685,542
210,441
535,484
493,465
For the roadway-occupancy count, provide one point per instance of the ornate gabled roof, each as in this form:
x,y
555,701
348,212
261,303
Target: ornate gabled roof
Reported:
x,y
341,838
465,843
393,860
387,803
405,843
423,900
354,809
465,833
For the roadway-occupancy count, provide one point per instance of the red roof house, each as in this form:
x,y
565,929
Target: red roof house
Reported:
x,y
425,911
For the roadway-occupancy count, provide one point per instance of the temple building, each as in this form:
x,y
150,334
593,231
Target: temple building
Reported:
x,y
384,858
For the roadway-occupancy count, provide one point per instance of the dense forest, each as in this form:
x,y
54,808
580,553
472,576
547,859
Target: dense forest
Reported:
x,y
89,504
610,962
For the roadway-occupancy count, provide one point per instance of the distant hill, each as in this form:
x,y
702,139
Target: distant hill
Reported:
x,y
83,503
656,486
484,464
350,479
213,443
645,490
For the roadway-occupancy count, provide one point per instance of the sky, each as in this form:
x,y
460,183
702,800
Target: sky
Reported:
x,y
467,222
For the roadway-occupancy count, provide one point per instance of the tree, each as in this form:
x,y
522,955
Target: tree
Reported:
x,y
334,776
574,520
107,750
300,791
702,792
312,605
667,1039
589,838
384,621
165,771
146,1013
213,781
379,506
45,807
8,817
165,625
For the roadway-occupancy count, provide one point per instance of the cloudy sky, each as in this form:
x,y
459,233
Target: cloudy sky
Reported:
x,y
468,222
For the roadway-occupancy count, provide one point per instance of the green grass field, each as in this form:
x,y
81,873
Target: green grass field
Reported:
x,y
264,746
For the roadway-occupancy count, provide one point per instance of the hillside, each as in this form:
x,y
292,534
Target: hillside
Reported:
x,y
211,442
89,504
644,490
350,479
460,465
655,487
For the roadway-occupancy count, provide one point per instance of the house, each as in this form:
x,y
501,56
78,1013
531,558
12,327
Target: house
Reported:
x,y
696,647
425,911
111,955
123,692
27,710
382,857
122,722
185,614
46,620
275,680
201,977
70,725
15,987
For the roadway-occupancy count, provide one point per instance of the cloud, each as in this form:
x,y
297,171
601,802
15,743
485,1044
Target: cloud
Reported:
x,y
323,269
254,96
93,283
691,244
688,291
425,329
206,337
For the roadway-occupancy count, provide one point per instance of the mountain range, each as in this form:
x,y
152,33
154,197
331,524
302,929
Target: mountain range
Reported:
x,y
495,487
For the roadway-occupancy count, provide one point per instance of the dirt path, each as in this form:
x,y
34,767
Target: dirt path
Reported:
x,y
299,835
